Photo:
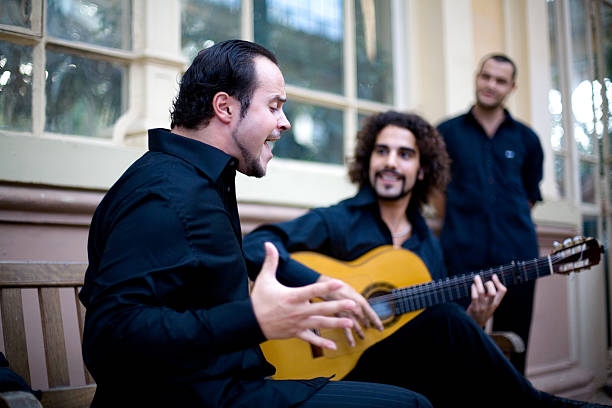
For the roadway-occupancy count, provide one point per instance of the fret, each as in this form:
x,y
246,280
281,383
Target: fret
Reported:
x,y
537,269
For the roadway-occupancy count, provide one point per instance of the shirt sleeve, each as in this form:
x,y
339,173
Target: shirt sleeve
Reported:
x,y
157,293
533,167
306,233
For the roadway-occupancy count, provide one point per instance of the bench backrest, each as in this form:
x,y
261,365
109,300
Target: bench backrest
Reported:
x,y
55,285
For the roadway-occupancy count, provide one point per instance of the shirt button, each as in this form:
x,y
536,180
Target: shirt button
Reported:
x,y
229,189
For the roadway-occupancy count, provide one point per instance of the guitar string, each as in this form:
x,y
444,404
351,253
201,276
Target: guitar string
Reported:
x,y
459,282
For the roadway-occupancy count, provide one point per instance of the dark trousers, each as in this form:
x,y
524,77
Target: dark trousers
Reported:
x,y
351,394
514,314
445,356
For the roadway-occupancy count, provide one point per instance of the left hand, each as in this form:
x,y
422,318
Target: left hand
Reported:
x,y
485,299
365,315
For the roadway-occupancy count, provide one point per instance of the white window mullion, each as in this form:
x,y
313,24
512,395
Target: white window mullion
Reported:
x,y
350,76
247,30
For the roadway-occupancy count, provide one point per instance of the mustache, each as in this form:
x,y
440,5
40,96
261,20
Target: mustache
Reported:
x,y
379,173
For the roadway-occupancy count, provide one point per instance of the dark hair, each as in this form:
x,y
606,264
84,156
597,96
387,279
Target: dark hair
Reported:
x,y
225,67
500,58
434,159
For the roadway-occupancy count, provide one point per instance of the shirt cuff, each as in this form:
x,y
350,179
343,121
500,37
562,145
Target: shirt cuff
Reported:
x,y
235,326
295,274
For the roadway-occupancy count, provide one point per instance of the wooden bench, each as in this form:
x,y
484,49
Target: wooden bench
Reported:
x,y
55,286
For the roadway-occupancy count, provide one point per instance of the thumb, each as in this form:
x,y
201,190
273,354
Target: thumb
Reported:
x,y
271,262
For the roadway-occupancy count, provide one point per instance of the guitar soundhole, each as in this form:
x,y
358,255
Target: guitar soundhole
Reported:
x,y
378,296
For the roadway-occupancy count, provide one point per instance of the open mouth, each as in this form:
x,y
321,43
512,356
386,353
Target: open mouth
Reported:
x,y
389,176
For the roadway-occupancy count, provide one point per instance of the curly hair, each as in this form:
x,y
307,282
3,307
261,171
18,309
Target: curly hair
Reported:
x,y
434,160
225,67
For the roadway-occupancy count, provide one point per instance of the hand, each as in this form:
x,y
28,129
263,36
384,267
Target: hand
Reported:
x,y
364,315
485,298
284,312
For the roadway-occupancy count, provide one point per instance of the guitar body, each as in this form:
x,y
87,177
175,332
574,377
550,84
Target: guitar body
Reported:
x,y
375,273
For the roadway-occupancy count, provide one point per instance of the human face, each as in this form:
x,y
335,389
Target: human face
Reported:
x,y
264,121
394,163
493,84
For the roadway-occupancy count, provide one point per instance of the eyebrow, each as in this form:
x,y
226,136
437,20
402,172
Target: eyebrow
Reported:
x,y
278,98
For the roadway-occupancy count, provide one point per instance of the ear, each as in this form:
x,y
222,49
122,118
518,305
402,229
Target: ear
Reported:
x,y
224,107
420,174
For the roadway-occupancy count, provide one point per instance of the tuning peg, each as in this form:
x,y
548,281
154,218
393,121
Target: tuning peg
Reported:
x,y
578,239
567,241
556,244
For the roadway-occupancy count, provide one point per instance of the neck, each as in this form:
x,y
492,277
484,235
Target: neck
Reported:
x,y
489,119
393,214
212,135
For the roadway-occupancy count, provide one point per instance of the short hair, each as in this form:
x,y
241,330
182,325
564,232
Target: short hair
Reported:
x,y
227,66
500,58
434,160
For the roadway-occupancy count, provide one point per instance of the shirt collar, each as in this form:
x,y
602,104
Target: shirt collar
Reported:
x,y
366,197
208,159
509,120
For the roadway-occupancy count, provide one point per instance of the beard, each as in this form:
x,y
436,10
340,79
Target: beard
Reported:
x,y
402,193
253,167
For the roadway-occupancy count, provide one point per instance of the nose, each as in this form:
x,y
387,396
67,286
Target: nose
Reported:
x,y
391,159
283,122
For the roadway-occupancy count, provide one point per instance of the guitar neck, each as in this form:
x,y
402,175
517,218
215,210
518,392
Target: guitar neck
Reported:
x,y
428,294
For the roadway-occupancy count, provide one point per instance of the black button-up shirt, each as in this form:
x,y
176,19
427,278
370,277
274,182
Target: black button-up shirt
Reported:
x,y
344,231
488,217
169,319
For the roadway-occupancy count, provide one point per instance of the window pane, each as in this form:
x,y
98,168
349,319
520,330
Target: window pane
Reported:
x,y
101,22
587,182
205,22
84,96
315,135
16,13
15,87
580,84
607,25
374,50
306,36
560,174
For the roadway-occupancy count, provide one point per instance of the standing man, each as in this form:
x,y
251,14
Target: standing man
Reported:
x,y
442,353
495,174
169,318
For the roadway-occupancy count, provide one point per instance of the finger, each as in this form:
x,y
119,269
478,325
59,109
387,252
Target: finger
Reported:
x,y
474,292
316,290
330,307
312,338
349,336
478,283
371,316
498,285
490,286
326,322
271,261
358,329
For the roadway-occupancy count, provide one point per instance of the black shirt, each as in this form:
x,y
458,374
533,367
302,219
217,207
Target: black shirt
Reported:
x,y
488,218
344,231
169,316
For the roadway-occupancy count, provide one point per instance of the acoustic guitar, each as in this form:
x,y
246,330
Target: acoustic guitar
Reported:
x,y
398,286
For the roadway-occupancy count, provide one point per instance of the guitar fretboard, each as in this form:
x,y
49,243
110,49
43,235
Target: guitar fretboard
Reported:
x,y
428,294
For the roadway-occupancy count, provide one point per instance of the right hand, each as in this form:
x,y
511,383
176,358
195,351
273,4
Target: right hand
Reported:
x,y
283,312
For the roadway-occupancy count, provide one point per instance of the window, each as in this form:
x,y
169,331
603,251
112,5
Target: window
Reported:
x,y
79,62
336,57
579,103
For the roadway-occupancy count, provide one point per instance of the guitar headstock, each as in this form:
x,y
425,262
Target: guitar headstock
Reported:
x,y
576,254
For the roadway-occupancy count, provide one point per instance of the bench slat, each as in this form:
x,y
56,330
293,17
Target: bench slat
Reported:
x,y
41,274
53,336
14,335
